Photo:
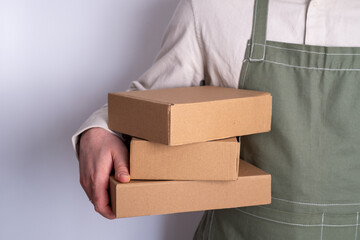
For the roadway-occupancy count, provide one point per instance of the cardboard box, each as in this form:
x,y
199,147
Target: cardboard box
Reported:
x,y
140,198
213,160
176,116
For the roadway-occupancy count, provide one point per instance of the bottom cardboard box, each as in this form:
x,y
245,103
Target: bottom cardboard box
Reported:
x,y
141,198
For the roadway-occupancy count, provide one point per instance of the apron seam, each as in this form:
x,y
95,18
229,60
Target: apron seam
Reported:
x,y
310,52
313,68
357,225
253,31
322,226
253,38
297,224
244,78
317,204
258,59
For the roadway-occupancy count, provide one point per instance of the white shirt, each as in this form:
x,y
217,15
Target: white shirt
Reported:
x,y
206,39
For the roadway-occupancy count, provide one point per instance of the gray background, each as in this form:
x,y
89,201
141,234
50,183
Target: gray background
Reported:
x,y
58,61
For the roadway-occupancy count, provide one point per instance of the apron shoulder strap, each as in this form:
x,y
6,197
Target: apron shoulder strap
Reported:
x,y
258,35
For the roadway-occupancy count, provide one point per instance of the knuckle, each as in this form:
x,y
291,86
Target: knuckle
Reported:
x,y
97,208
98,179
122,169
93,190
92,178
96,199
83,182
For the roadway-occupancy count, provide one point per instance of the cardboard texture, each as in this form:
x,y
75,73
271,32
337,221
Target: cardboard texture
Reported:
x,y
177,116
213,160
141,198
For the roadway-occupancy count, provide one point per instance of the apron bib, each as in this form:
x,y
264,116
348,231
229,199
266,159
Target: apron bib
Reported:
x,y
313,149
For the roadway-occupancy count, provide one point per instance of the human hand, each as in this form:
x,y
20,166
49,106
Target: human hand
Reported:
x,y
99,152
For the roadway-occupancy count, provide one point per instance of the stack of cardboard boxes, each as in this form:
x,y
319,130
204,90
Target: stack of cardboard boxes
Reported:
x,y
184,154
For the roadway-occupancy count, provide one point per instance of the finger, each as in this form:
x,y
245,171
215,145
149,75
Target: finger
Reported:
x,y
101,205
87,190
121,166
101,199
85,182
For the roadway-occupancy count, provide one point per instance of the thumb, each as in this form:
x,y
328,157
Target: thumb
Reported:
x,y
121,166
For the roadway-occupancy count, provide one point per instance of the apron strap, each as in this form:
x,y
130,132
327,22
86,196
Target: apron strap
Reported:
x,y
258,35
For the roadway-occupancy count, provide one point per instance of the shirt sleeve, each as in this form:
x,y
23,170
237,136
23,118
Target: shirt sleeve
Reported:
x,y
179,63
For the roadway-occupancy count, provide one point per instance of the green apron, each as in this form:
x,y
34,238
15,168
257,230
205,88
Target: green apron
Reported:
x,y
313,149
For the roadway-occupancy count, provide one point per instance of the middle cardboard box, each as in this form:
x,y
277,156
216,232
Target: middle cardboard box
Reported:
x,y
211,160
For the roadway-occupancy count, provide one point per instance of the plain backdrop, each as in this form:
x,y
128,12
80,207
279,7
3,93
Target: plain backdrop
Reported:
x,y
58,61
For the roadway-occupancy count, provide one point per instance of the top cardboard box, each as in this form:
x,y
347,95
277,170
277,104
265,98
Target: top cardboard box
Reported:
x,y
176,116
